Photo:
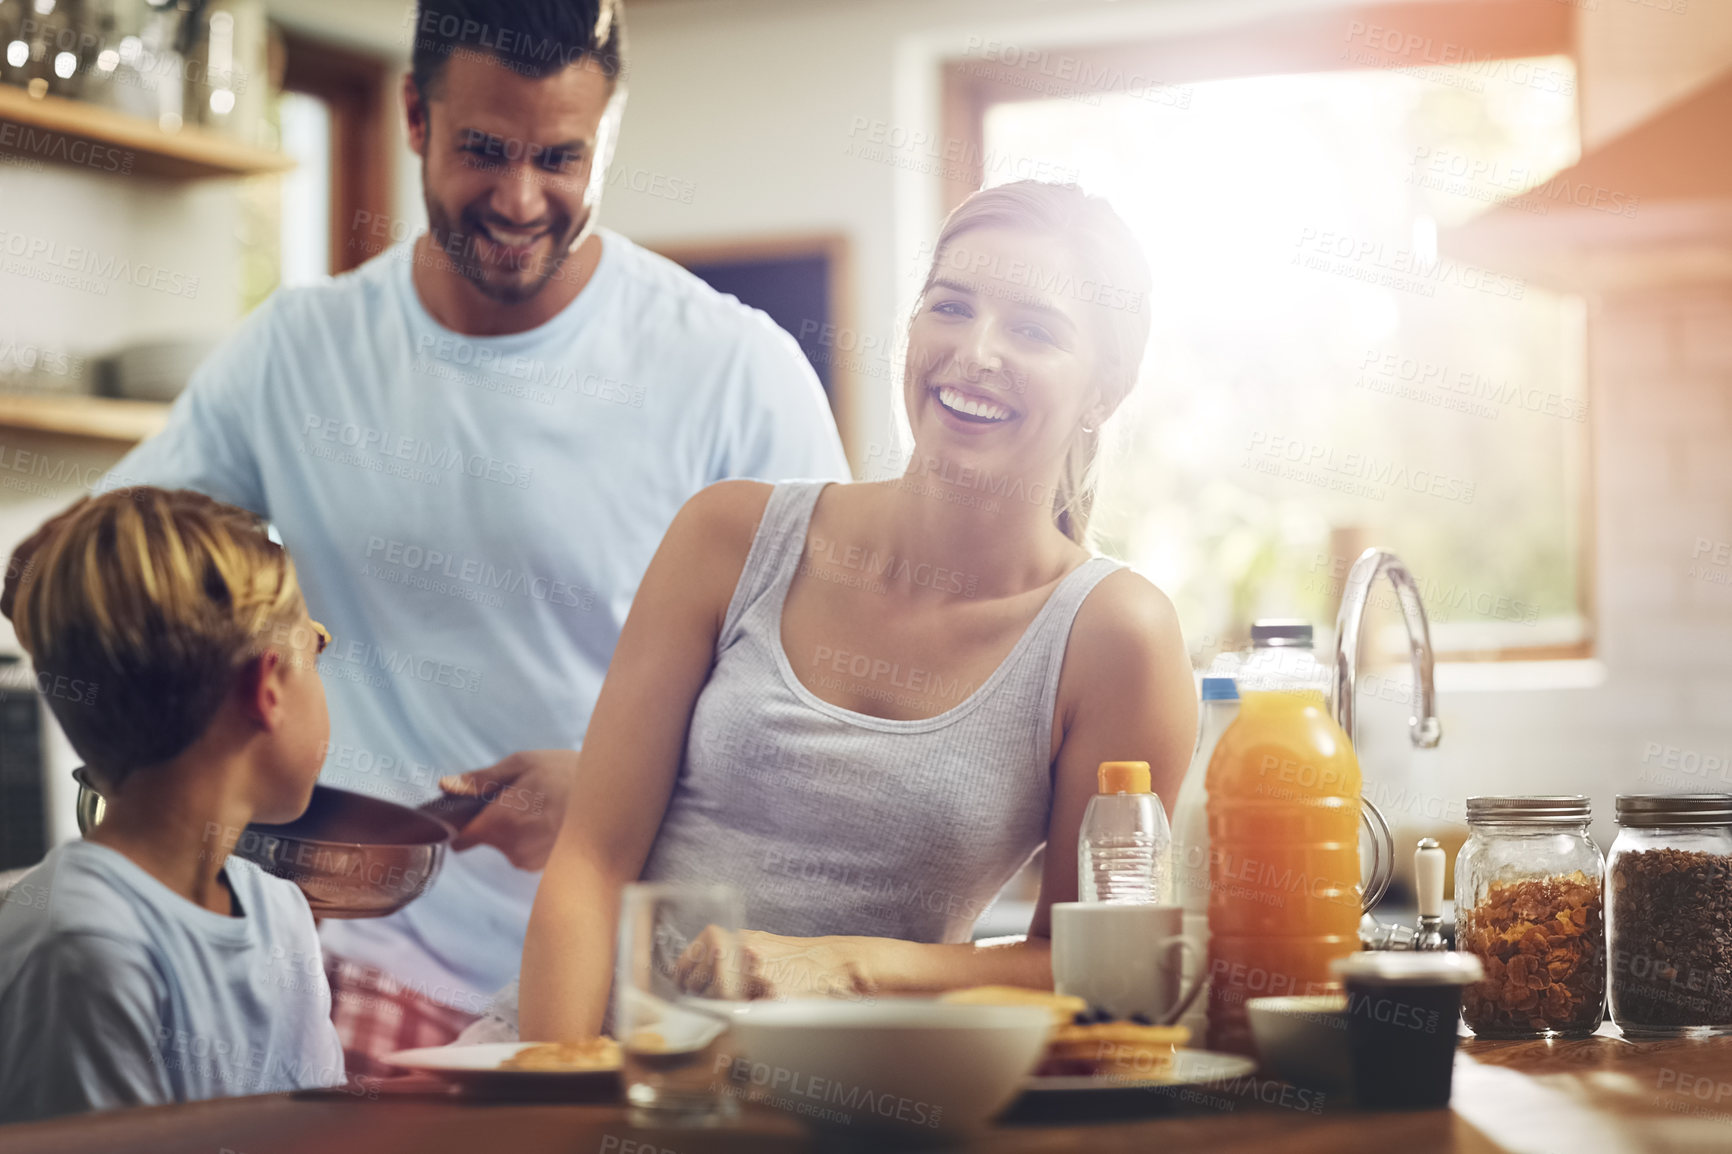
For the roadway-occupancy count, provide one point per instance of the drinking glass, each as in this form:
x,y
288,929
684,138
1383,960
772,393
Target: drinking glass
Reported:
x,y
677,971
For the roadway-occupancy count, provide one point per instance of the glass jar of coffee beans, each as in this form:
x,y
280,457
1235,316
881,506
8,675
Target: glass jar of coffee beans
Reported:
x,y
1669,915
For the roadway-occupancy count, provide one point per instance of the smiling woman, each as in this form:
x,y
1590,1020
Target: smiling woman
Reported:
x,y
1055,298
774,674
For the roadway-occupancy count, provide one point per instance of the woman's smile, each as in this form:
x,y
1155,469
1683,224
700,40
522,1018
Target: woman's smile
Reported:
x,y
970,406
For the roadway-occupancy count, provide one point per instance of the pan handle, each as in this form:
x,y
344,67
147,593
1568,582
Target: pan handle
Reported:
x,y
454,809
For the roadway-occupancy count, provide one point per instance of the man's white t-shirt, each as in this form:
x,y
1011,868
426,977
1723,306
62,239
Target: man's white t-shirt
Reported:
x,y
471,516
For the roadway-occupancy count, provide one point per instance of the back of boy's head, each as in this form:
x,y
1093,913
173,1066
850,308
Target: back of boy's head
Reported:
x,y
137,608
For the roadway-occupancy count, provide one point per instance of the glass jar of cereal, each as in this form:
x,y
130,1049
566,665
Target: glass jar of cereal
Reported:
x,y
1528,905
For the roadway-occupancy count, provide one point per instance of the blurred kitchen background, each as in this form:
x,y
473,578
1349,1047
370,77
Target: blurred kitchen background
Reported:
x,y
1452,277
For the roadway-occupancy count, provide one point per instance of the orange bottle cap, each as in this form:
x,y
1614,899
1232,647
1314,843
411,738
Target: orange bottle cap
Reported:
x,y
1125,777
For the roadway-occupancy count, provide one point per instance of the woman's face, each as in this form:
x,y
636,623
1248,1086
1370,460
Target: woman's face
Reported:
x,y
1002,357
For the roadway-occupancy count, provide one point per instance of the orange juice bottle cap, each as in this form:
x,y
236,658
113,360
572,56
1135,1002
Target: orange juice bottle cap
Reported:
x,y
1124,777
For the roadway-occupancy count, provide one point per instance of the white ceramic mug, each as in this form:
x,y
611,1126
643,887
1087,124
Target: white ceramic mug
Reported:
x,y
1123,957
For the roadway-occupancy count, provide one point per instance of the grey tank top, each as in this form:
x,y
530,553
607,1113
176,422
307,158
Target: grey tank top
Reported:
x,y
830,821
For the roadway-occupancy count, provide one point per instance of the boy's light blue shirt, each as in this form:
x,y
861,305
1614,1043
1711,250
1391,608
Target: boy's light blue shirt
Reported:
x,y
117,991
471,518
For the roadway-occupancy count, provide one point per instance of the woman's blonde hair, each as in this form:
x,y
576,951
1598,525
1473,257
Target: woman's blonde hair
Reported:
x,y
1115,280
137,607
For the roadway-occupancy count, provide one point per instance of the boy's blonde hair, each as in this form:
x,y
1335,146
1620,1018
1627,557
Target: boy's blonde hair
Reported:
x,y
141,604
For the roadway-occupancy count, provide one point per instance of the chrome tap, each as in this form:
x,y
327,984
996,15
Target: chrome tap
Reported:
x,y
1422,724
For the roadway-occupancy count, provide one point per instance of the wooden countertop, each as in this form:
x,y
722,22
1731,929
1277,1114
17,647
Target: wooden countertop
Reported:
x,y
1594,1096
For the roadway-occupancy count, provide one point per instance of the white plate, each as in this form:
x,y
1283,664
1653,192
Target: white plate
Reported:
x,y
480,1063
1189,1068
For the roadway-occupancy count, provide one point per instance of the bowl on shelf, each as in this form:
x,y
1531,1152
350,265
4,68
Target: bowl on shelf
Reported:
x,y
155,370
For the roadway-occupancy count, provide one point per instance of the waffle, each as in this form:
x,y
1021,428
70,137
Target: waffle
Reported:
x,y
1125,1049
589,1055
1118,1048
1064,1007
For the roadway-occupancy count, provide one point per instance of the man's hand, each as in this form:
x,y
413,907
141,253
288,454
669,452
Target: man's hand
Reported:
x,y
526,795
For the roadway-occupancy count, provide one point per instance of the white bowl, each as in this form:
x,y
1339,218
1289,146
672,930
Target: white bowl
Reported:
x,y
914,1065
1302,1039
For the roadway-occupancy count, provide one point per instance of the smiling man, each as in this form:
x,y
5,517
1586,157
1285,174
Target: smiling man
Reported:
x,y
472,446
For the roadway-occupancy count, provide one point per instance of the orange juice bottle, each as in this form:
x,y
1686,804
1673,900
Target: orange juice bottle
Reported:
x,y
1284,813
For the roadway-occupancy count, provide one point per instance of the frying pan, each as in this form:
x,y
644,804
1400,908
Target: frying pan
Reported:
x,y
354,856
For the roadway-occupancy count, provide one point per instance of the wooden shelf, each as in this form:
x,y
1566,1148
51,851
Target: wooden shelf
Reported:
x,y
95,418
47,128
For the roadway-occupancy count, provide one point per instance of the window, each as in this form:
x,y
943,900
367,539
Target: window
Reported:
x,y
1321,376
305,124
333,118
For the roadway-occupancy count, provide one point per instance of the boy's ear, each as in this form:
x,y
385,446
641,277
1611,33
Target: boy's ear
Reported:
x,y
257,689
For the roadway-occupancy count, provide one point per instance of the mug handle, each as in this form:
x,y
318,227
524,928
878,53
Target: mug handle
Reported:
x,y
1183,1005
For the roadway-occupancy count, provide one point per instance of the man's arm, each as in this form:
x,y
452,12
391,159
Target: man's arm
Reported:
x,y
207,444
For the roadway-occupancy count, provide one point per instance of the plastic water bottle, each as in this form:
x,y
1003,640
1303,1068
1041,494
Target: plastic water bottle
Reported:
x,y
1125,846
1220,705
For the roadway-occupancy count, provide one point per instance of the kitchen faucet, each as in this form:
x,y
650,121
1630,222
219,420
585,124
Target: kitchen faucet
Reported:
x,y
1422,724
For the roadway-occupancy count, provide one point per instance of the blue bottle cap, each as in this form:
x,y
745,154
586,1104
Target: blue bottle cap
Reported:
x,y
1220,689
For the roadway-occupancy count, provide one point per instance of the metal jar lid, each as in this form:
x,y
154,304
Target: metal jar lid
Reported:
x,y
1658,809
1278,632
1549,809
1409,968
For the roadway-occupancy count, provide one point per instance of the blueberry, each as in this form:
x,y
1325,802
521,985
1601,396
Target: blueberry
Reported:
x,y
1141,1019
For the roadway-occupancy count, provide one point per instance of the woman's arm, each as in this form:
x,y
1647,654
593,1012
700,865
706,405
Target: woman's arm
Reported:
x,y
631,758
1125,694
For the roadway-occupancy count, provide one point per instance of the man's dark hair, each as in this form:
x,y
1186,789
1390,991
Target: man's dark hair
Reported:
x,y
534,38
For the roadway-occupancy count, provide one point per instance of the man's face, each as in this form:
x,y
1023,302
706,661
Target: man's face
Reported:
x,y
512,169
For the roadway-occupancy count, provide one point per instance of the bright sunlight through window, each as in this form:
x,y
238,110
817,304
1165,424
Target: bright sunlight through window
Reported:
x,y
1321,376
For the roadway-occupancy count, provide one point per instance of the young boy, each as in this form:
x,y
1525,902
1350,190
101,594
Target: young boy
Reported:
x,y
148,965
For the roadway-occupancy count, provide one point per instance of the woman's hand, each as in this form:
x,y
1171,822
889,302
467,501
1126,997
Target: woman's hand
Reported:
x,y
773,966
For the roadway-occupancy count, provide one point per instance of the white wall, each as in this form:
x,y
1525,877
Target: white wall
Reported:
x,y
101,221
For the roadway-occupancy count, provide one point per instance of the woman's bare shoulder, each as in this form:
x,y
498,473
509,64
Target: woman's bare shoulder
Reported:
x,y
726,510
1127,620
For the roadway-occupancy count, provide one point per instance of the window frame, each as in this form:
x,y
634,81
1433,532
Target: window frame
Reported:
x,y
353,85
1477,30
